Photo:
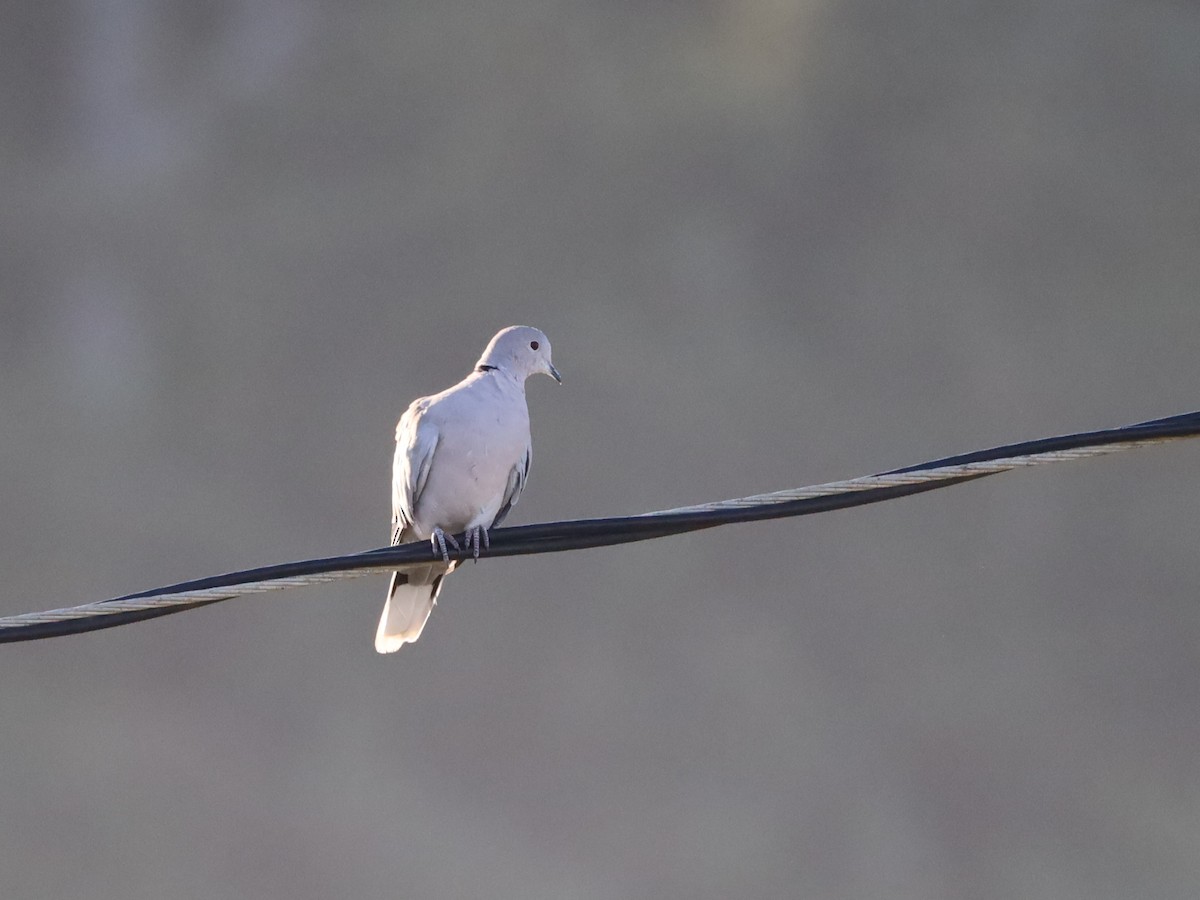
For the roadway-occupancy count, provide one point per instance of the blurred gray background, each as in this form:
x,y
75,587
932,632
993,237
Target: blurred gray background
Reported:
x,y
774,243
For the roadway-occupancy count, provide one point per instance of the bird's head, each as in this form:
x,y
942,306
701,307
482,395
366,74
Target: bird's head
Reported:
x,y
521,351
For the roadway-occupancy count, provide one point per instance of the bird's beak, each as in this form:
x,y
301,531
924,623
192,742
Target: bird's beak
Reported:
x,y
553,372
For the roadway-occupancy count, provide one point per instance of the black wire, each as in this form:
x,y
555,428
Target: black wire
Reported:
x,y
579,534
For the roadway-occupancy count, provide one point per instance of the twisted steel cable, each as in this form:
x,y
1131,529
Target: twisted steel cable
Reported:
x,y
577,534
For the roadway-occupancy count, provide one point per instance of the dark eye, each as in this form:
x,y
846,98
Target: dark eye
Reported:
x,y
533,345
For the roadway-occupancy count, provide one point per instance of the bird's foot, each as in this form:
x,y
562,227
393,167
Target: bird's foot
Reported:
x,y
439,539
473,535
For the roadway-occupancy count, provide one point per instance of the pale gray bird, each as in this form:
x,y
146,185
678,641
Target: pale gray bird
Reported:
x,y
462,457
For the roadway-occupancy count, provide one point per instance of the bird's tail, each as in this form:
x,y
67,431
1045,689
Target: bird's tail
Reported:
x,y
407,608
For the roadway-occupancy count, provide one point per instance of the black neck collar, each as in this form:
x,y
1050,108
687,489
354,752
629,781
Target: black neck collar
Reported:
x,y
483,368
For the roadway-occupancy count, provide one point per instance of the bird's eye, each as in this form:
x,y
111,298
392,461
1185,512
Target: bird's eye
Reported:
x,y
533,345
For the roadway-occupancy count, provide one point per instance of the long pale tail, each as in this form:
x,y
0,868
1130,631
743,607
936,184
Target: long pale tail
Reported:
x,y
404,614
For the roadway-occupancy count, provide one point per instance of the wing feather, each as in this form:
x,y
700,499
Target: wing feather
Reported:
x,y
516,483
416,442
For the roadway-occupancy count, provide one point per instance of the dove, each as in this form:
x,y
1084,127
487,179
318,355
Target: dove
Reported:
x,y
462,459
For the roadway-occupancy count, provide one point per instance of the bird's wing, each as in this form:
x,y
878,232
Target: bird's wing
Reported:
x,y
516,483
416,442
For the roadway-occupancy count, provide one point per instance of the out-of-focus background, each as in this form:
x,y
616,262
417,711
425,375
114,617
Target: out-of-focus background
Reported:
x,y
774,243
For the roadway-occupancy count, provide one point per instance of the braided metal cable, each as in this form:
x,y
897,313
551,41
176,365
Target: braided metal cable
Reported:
x,y
908,478
576,534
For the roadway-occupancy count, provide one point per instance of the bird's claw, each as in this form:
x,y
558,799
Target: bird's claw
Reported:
x,y
473,535
439,539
